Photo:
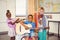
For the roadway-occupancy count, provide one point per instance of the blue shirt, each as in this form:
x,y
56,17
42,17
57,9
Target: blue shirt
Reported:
x,y
32,23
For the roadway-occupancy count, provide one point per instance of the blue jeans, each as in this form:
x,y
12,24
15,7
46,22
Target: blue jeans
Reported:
x,y
32,34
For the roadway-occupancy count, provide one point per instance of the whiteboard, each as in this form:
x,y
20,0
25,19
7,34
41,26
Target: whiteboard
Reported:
x,y
21,7
2,11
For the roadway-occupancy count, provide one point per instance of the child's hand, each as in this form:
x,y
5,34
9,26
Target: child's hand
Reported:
x,y
46,28
26,28
37,30
21,22
17,20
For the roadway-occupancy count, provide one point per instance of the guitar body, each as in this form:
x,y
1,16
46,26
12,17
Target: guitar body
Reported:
x,y
21,30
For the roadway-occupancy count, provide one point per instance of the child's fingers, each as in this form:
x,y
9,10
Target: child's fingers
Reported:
x,y
26,28
46,28
17,19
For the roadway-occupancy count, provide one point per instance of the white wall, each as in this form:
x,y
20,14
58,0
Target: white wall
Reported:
x,y
6,5
54,25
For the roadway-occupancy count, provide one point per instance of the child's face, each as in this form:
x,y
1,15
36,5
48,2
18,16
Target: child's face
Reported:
x,y
30,18
9,15
41,12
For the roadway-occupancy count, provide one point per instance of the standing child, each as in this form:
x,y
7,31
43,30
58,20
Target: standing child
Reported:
x,y
11,23
43,23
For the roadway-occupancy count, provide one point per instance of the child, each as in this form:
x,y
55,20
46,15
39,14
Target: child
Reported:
x,y
29,21
11,23
43,23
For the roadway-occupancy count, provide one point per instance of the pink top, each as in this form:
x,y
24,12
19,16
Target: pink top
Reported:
x,y
10,25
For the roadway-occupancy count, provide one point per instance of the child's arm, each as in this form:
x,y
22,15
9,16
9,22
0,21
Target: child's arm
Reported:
x,y
37,30
22,23
46,28
13,22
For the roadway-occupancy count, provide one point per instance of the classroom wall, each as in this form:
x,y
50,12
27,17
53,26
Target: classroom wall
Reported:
x,y
54,25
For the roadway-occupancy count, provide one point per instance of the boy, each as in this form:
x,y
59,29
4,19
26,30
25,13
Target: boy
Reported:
x,y
11,23
29,21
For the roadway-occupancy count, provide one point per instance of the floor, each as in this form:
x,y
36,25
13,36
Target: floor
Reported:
x,y
5,37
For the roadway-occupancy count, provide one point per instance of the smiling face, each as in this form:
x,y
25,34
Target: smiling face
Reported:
x,y
41,11
30,18
8,15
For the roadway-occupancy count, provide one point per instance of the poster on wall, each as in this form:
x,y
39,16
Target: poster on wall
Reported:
x,y
50,5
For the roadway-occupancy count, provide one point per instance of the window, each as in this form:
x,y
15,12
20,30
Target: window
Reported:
x,y
21,7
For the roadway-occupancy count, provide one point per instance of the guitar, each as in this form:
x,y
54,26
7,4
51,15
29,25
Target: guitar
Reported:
x,y
21,30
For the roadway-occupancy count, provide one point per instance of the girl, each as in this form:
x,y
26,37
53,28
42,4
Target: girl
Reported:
x,y
11,23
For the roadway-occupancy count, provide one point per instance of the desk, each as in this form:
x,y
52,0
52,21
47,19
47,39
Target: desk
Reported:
x,y
56,22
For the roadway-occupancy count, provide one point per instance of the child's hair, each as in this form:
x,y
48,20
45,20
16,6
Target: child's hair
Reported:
x,y
30,15
8,11
41,8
